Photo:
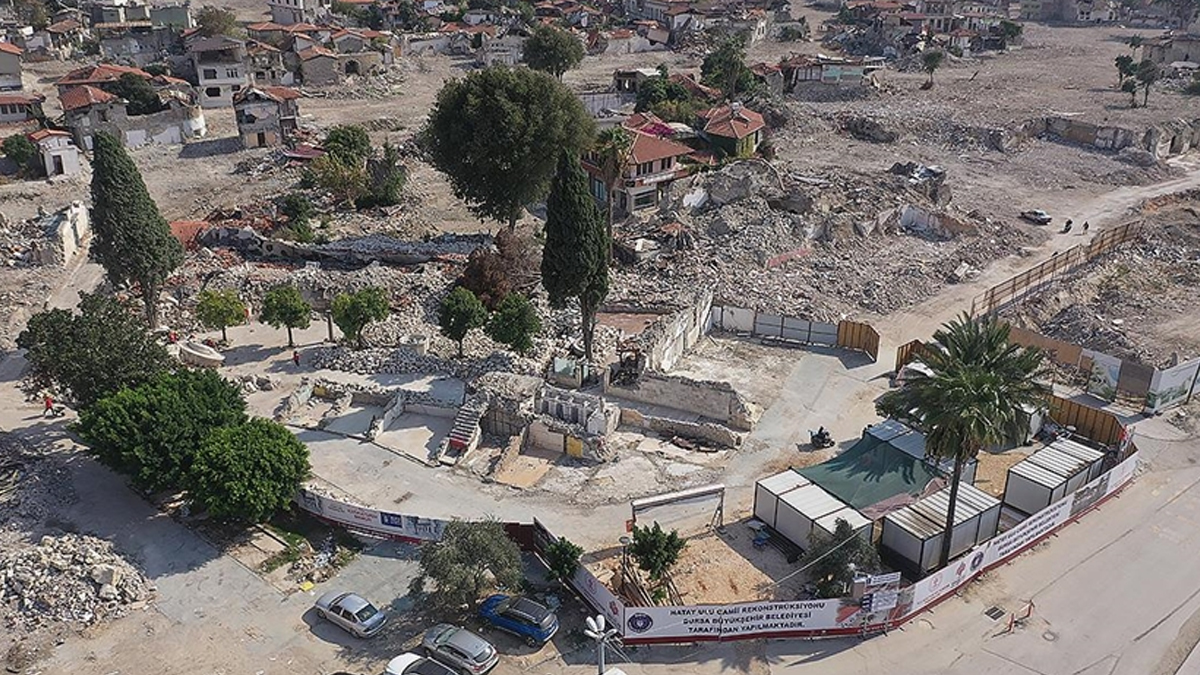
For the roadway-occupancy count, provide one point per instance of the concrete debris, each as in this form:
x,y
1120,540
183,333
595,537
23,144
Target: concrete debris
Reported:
x,y
34,487
818,247
251,383
69,579
867,129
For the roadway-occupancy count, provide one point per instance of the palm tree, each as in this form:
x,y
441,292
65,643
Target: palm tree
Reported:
x,y
977,394
612,147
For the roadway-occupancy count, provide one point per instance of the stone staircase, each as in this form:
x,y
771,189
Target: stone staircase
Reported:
x,y
465,433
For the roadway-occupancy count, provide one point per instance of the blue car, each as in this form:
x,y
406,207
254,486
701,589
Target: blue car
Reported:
x,y
520,616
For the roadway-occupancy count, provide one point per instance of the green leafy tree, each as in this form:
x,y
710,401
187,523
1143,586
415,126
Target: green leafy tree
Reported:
x,y
157,69
1010,30
726,69
469,560
1125,69
497,133
33,13
975,395
1147,74
21,151
552,50
282,306
86,356
131,239
575,257
138,92
514,323
562,560
1130,87
220,309
655,550
461,311
348,144
613,148
247,472
213,21
834,561
298,210
346,182
385,177
1134,42
152,432
931,60
352,312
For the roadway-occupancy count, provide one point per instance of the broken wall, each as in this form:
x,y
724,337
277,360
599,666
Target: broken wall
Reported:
x,y
67,233
590,412
550,434
705,432
1168,139
666,340
715,400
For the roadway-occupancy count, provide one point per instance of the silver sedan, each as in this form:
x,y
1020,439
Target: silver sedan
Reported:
x,y
460,648
352,612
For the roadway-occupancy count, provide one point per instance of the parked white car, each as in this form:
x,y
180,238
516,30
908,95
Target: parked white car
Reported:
x,y
352,612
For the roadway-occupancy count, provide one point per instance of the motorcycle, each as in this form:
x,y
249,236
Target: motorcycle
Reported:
x,y
820,439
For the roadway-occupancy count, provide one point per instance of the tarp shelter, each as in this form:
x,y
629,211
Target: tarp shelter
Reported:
x,y
913,442
913,534
874,476
1050,474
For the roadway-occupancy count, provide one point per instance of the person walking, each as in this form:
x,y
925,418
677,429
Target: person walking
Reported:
x,y
1067,227
296,357
48,402
1086,226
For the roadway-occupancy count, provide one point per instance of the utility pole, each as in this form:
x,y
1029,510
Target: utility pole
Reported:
x,y
596,630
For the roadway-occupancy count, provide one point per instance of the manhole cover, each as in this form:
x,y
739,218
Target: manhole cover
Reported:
x,y
1049,636
994,613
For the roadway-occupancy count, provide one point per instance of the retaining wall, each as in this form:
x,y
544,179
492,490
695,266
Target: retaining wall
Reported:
x,y
715,400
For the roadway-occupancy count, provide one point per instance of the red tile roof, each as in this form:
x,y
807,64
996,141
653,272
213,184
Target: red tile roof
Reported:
x,y
278,94
43,134
266,27
695,88
83,96
11,48
647,148
725,122
104,72
64,26
21,99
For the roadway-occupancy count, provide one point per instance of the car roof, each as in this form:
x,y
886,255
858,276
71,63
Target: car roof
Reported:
x,y
468,642
527,607
353,602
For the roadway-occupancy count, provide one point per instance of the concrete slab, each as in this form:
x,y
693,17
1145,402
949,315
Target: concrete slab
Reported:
x,y
355,421
418,436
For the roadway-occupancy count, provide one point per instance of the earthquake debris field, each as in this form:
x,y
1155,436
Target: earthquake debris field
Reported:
x,y
1140,302
51,580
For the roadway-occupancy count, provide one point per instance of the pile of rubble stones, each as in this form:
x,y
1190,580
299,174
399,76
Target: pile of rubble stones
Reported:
x,y
72,579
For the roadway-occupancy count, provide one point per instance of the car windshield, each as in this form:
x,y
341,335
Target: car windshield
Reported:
x,y
365,613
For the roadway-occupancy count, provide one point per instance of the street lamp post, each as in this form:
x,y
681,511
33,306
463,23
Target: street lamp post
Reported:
x,y
597,631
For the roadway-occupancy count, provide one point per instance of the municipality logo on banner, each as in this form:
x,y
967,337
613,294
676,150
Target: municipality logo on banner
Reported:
x,y
640,623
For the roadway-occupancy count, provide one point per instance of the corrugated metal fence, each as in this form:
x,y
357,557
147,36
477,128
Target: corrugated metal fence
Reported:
x,y
847,334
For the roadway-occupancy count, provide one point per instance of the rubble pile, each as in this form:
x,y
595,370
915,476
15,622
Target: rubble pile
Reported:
x,y
19,241
812,246
1134,303
71,579
33,487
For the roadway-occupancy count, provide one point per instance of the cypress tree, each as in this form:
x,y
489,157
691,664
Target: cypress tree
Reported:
x,y
575,258
131,238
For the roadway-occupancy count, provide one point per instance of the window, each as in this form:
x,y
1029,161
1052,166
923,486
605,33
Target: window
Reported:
x,y
665,164
213,92
210,73
231,72
644,200
645,168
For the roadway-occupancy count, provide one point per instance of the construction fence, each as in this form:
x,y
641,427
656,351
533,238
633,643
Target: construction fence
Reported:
x,y
845,334
1040,277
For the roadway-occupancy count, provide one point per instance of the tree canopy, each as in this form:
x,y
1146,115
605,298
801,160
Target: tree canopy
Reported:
x,y
562,560
514,323
247,472
352,312
213,21
575,257
931,60
656,550
726,69
461,312
135,89
348,144
552,50
22,152
97,351
977,393
131,238
465,563
834,561
220,309
152,432
497,133
282,306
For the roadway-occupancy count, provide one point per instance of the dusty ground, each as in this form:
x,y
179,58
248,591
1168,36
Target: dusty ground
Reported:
x,y
992,472
1138,303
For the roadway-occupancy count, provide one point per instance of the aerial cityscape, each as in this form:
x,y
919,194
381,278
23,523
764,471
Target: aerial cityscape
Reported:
x,y
637,337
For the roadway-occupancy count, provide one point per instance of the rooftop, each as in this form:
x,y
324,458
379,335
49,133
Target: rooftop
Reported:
x,y
83,96
732,121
